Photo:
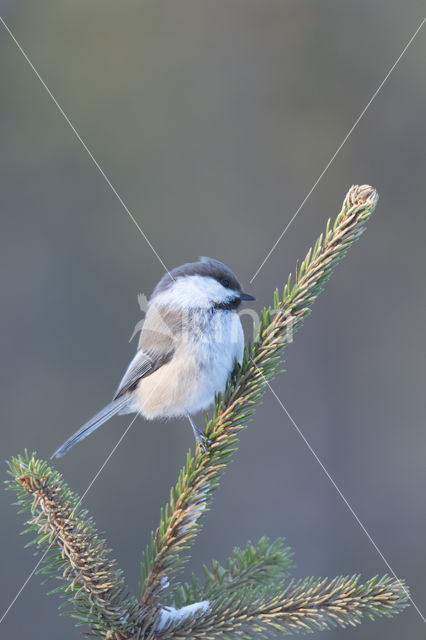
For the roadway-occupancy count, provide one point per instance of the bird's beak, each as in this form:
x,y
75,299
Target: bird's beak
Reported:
x,y
246,296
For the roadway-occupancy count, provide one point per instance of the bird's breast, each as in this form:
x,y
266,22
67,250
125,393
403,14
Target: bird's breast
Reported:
x,y
204,357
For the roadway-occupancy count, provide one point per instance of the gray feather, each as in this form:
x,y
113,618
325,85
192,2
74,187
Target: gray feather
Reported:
x,y
139,367
105,414
142,365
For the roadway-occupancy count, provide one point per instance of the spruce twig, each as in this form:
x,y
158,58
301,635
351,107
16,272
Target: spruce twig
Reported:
x,y
252,567
303,606
243,599
197,480
247,596
92,584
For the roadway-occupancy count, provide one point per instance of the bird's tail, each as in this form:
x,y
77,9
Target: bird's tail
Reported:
x,y
105,414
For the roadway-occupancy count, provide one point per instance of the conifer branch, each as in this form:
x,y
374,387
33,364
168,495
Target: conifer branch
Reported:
x,y
197,480
252,567
92,585
243,601
303,606
247,596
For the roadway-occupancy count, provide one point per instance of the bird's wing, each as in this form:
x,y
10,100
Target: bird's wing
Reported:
x,y
156,346
142,365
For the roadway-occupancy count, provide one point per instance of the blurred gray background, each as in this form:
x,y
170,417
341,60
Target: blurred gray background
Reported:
x,y
213,119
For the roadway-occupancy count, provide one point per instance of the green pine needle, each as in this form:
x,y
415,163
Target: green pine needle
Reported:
x,y
255,566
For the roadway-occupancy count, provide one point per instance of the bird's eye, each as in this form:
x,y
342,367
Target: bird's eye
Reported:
x,y
225,283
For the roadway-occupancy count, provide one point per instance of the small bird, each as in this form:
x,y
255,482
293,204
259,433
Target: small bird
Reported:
x,y
189,342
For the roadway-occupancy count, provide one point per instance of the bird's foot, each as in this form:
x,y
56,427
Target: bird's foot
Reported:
x,y
200,437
